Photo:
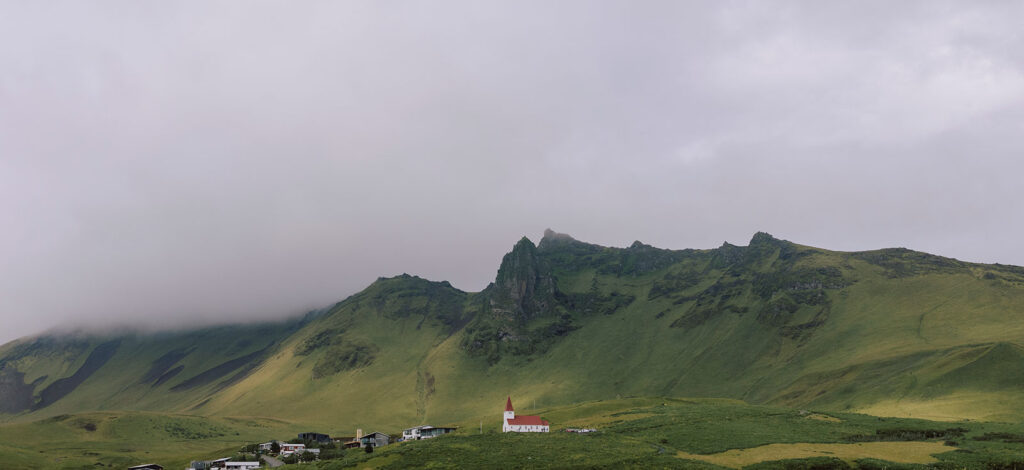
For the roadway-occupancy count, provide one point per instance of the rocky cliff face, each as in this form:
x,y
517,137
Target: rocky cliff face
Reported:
x,y
524,286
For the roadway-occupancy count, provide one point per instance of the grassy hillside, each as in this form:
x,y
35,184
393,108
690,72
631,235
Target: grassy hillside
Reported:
x,y
892,332
636,433
708,433
164,371
122,439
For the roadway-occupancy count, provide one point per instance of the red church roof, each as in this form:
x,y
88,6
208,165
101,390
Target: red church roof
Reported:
x,y
527,421
508,404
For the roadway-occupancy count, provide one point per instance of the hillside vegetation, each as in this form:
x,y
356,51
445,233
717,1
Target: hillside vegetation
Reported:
x,y
892,332
629,433
708,434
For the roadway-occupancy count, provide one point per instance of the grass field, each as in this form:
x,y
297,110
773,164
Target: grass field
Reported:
x,y
897,452
705,433
119,440
634,432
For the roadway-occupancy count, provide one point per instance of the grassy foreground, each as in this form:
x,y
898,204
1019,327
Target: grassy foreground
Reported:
x,y
122,439
709,433
634,432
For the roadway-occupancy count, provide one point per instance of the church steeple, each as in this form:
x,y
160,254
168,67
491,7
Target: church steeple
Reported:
x,y
510,413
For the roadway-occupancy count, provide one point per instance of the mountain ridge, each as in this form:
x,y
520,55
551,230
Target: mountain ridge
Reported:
x,y
775,322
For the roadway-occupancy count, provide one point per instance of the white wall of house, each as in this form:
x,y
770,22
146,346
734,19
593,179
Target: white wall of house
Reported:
x,y
520,428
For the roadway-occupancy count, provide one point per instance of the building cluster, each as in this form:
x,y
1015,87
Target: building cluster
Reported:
x,y
298,447
224,463
360,440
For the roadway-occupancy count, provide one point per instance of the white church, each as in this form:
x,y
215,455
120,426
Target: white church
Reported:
x,y
512,423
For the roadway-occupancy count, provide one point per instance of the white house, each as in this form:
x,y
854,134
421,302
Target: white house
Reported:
x,y
424,432
265,447
511,423
224,463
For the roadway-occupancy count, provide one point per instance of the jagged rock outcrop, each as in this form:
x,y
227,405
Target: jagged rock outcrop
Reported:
x,y
524,286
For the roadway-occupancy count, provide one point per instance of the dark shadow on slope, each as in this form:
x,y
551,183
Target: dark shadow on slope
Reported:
x,y
15,394
62,387
162,364
216,372
168,376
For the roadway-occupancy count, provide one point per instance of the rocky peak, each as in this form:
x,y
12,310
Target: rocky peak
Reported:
x,y
524,283
637,245
553,239
763,238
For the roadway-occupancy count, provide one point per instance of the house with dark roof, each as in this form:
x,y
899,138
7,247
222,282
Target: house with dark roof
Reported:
x,y
314,437
374,439
513,423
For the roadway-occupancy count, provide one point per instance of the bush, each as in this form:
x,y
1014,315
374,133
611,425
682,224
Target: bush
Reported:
x,y
900,434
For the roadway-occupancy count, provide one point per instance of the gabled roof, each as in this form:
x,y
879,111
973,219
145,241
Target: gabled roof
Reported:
x,y
527,421
508,404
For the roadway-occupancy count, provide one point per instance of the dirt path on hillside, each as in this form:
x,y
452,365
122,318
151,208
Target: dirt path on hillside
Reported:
x,y
272,462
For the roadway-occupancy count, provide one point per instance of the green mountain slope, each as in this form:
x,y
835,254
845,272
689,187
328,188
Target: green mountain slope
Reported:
x,y
891,332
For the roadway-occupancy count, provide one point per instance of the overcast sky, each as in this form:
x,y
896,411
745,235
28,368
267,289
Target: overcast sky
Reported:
x,y
178,163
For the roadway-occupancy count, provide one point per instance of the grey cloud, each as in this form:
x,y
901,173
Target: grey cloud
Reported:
x,y
166,164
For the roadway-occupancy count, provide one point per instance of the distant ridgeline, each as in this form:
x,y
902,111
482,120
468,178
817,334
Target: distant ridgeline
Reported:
x,y
889,331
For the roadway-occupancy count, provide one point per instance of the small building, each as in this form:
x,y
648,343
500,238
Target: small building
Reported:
x,y
265,447
241,465
208,464
147,466
288,448
424,432
315,452
513,423
315,437
354,442
580,430
374,439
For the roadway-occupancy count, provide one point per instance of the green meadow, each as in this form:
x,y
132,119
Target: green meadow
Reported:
x,y
709,433
633,432
122,439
